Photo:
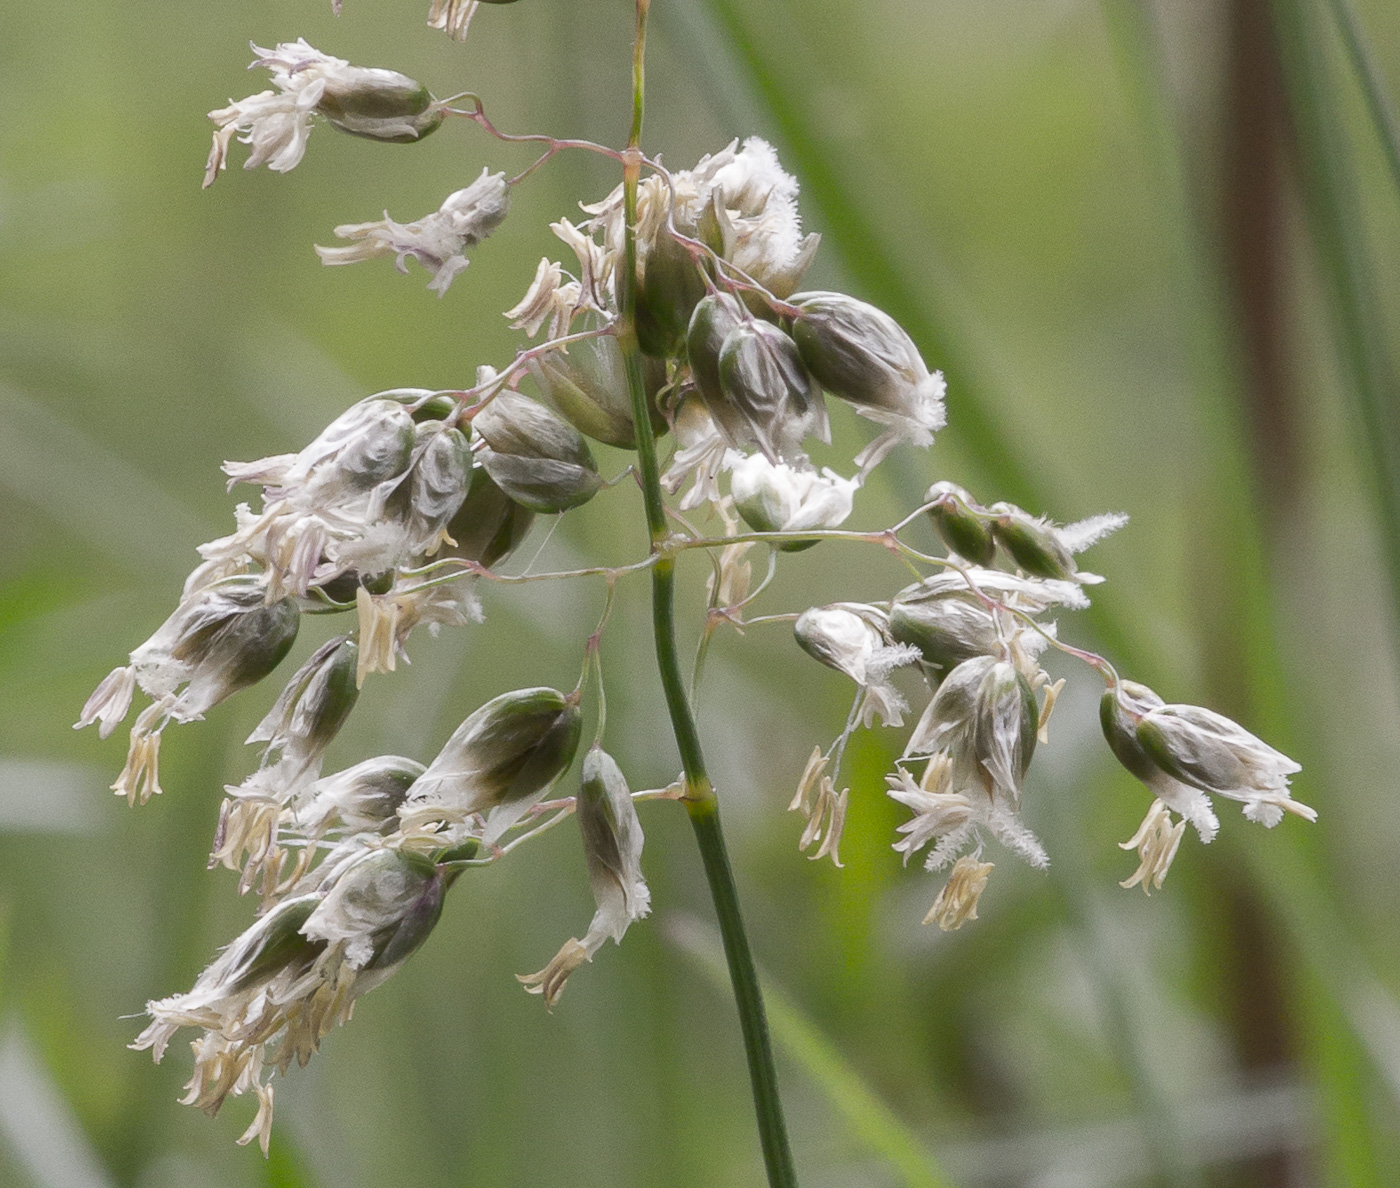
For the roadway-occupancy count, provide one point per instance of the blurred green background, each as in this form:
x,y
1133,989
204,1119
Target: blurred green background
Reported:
x,y
1155,248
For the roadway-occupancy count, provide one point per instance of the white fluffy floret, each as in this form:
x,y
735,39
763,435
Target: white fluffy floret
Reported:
x,y
437,241
275,124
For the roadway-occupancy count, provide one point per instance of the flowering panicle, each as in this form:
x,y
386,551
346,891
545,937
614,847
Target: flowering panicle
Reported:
x,y
272,996
399,834
974,632
690,323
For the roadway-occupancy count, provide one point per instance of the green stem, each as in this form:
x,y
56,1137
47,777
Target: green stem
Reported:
x,y
748,997
639,82
700,799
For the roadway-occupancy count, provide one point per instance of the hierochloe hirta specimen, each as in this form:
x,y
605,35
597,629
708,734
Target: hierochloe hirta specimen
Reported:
x,y
677,310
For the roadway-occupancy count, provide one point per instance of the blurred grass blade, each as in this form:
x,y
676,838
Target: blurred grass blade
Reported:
x,y
1333,219
1372,87
105,502
1162,1138
285,1166
870,1119
1304,908
1347,1017
1345,1130
38,1125
1285,869
47,796
1376,1018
